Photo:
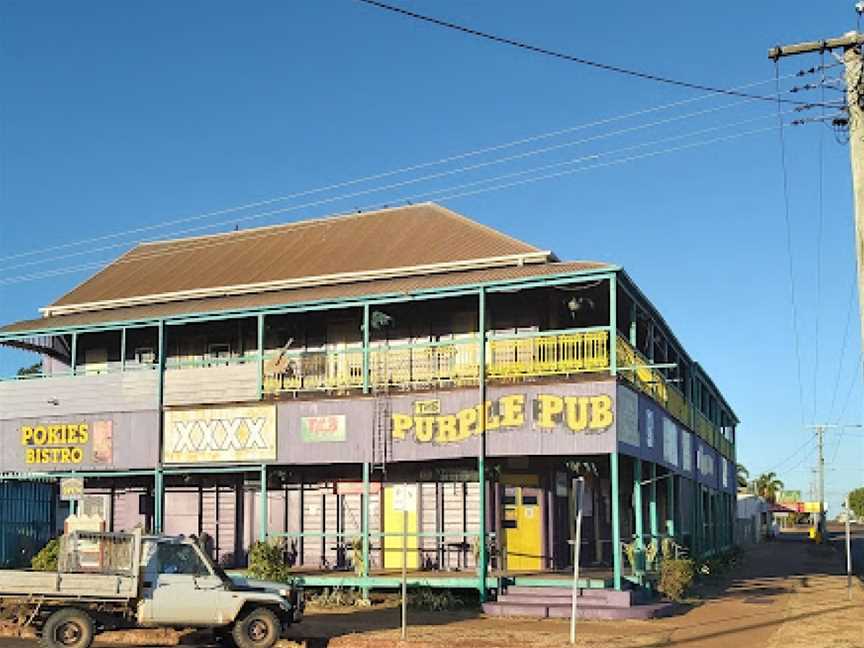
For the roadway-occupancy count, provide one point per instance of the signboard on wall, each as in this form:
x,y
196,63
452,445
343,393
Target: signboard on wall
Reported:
x,y
686,451
66,443
519,422
71,488
628,417
98,441
216,435
323,429
670,441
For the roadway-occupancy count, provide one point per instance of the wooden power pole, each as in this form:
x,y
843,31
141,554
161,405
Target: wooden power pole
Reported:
x,y
850,43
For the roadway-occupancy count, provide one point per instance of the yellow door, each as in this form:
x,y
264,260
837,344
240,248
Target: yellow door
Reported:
x,y
523,528
393,524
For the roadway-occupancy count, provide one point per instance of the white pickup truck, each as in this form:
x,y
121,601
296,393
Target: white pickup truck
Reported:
x,y
109,581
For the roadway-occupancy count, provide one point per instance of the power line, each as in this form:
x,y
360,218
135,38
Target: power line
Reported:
x,y
569,57
843,344
820,219
440,174
380,175
788,224
436,194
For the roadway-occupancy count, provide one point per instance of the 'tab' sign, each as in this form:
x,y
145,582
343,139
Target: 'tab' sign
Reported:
x,y
220,435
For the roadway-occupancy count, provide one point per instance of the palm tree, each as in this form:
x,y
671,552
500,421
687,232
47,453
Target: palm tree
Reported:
x,y
767,485
742,475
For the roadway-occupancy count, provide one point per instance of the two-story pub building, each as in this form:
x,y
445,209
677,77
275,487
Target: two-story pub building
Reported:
x,y
290,381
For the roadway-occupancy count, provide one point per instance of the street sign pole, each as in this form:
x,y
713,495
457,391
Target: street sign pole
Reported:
x,y
404,572
848,552
580,491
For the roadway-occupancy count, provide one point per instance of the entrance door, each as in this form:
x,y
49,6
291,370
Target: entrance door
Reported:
x,y
523,523
393,543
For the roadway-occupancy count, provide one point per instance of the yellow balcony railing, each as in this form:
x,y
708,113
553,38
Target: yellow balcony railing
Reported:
x,y
453,362
637,369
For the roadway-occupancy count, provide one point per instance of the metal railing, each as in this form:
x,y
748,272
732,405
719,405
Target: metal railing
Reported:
x,y
446,362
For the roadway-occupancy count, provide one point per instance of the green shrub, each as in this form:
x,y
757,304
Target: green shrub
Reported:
x,y
425,598
676,577
336,597
267,562
46,559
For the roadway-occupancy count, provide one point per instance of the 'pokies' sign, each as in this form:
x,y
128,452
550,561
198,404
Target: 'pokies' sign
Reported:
x,y
67,443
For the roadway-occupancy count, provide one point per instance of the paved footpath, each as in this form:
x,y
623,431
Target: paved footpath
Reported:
x,y
788,593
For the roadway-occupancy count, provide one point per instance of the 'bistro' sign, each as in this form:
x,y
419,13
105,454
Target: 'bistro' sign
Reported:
x,y
67,443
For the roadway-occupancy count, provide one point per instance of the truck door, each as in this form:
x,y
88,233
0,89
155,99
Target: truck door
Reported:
x,y
184,590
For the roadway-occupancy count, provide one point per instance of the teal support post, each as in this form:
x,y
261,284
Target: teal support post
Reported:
x,y
637,503
364,521
613,324
157,500
158,495
260,356
652,505
482,557
670,506
262,506
366,348
73,361
617,558
123,349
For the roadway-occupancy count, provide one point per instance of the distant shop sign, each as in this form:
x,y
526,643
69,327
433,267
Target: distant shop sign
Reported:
x,y
71,488
218,435
323,429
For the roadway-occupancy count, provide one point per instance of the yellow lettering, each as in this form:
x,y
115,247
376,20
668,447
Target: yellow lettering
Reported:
x,y
601,412
467,422
65,455
401,425
40,435
26,434
83,433
493,421
549,409
576,412
512,410
446,429
53,434
424,428
30,456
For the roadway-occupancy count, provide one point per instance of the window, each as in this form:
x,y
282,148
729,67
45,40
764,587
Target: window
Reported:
x,y
145,355
180,559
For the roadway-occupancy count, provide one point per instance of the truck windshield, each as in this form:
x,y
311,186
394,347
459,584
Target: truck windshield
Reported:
x,y
216,568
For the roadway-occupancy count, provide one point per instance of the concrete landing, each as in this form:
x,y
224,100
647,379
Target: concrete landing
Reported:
x,y
555,602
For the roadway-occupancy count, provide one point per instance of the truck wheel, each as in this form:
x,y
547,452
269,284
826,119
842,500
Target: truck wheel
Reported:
x,y
67,628
258,629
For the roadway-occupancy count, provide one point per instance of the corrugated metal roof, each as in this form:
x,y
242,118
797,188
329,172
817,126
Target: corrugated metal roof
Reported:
x,y
414,235
406,285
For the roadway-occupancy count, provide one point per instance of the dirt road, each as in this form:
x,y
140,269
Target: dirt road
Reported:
x,y
788,593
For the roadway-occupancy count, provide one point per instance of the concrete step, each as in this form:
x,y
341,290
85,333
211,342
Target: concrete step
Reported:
x,y
586,611
557,595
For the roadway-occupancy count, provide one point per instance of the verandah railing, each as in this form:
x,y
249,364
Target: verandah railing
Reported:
x,y
445,362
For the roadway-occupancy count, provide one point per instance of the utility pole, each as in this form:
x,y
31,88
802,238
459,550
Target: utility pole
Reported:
x,y
850,43
820,439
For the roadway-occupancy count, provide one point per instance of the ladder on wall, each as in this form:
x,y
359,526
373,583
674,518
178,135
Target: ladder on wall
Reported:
x,y
381,432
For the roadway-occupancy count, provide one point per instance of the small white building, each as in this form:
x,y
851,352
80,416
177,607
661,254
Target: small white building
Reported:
x,y
752,519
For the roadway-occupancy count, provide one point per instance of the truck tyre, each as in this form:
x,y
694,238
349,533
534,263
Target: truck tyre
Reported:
x,y
67,628
258,629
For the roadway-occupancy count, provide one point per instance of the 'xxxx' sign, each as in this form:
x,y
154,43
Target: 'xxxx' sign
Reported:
x,y
220,435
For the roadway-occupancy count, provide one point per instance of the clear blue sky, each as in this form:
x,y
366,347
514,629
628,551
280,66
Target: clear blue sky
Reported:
x,y
117,115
